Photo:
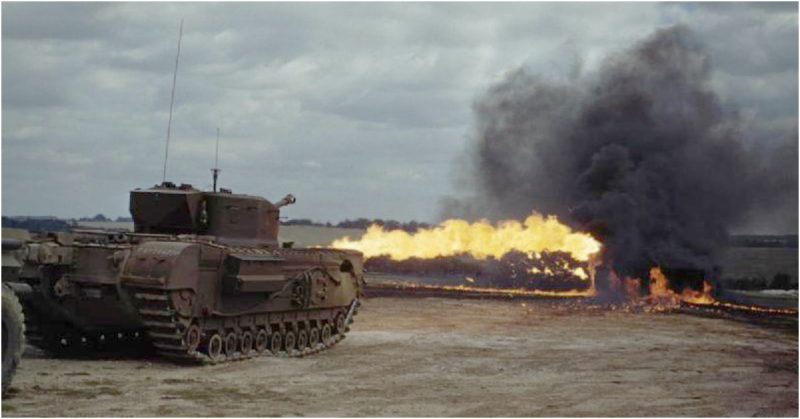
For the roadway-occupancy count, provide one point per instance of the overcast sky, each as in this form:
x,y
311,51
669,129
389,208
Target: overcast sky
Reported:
x,y
357,109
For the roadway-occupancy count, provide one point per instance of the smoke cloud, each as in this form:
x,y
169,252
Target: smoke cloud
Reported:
x,y
641,154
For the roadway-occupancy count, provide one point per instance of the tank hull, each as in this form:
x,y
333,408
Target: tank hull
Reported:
x,y
188,296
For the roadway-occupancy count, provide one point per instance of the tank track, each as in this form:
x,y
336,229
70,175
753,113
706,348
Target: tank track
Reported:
x,y
60,338
65,340
232,338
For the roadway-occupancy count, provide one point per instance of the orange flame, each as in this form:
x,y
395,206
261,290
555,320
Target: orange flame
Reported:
x,y
480,240
661,294
663,297
659,289
698,297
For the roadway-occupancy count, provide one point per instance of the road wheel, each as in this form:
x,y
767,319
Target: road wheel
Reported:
x,y
302,339
231,342
13,335
340,323
193,337
313,337
247,343
326,334
262,339
275,342
215,345
289,341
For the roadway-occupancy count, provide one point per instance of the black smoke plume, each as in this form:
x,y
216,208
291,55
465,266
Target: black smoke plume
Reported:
x,y
641,154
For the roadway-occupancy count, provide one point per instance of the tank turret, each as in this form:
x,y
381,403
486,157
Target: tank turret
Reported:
x,y
230,218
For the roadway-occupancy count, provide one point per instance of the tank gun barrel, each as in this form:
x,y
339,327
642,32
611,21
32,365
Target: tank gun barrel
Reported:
x,y
287,200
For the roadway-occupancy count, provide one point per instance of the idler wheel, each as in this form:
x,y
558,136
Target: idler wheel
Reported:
x,y
340,323
215,345
313,337
302,339
275,342
230,343
326,334
247,343
289,341
193,337
262,339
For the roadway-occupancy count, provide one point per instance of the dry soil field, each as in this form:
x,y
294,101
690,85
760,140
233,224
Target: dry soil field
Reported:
x,y
444,357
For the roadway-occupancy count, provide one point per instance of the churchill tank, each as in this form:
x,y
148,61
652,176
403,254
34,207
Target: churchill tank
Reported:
x,y
201,277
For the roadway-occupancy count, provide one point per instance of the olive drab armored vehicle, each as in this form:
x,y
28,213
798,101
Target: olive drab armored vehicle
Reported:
x,y
12,318
201,277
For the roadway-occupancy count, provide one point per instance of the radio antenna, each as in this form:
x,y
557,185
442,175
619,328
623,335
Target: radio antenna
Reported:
x,y
172,102
216,168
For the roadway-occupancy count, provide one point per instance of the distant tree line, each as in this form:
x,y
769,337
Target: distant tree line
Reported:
x,y
98,217
58,224
789,240
37,223
362,223
103,218
781,281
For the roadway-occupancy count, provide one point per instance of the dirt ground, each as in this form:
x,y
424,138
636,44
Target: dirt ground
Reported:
x,y
445,357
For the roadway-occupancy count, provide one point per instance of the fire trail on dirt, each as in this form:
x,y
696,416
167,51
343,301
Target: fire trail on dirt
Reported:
x,y
665,301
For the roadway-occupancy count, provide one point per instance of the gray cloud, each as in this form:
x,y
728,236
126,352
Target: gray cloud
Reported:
x,y
359,109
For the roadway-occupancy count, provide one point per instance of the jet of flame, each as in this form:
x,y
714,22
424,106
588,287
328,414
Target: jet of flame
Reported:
x,y
480,239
